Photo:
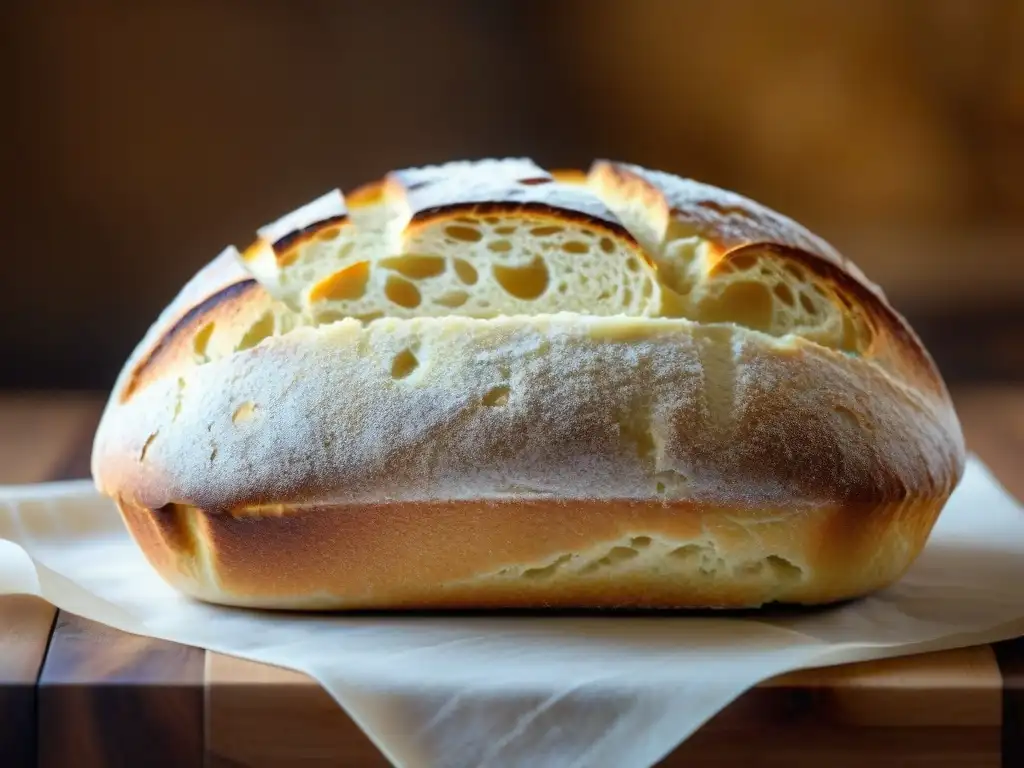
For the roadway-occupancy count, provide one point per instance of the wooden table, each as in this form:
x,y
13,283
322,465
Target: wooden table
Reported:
x,y
75,693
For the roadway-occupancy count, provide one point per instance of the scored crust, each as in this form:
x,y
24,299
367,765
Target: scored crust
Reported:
x,y
511,237
763,427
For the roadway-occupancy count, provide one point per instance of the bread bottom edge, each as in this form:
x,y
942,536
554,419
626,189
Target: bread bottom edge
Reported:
x,y
534,555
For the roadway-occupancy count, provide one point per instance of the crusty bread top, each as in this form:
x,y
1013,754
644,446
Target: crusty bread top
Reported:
x,y
503,249
698,251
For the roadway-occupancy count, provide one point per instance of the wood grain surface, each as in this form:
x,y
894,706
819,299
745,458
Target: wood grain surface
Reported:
x,y
73,692
258,715
25,624
107,698
37,432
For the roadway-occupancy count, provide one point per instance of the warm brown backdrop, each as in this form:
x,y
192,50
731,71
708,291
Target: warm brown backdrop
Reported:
x,y
141,137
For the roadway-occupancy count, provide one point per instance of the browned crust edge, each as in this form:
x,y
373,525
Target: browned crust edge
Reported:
x,y
540,210
149,366
289,242
441,555
894,341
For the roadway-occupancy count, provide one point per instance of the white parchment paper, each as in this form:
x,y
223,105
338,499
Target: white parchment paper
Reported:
x,y
456,690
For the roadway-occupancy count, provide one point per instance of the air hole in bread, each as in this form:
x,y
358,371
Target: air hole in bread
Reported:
x,y
546,231
506,230
615,556
464,233
785,294
465,220
743,262
414,266
632,264
575,246
466,272
328,234
528,282
784,570
258,331
627,296
492,220
547,571
496,397
747,304
659,487
202,340
452,299
401,292
700,559
404,363
243,413
500,246
607,245
688,551
640,542
848,417
618,555
344,285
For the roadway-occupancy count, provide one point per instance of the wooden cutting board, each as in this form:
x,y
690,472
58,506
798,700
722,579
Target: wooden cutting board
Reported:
x,y
76,693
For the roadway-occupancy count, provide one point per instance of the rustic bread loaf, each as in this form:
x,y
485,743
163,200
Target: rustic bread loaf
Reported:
x,y
486,384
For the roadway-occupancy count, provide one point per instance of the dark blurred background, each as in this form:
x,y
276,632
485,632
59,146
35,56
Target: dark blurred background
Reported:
x,y
139,138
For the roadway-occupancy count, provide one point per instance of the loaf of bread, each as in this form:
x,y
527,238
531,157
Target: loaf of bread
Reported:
x,y
489,385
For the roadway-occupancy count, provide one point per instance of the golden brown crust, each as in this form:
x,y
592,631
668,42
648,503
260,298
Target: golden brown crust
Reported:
x,y
564,460
580,554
